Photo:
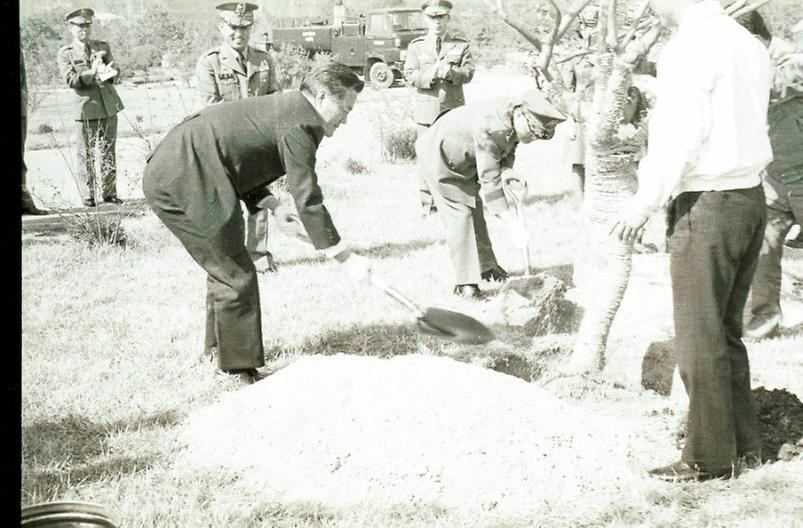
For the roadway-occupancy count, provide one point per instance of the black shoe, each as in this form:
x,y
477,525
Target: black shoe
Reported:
x,y
113,200
469,291
33,210
496,274
89,202
245,376
683,472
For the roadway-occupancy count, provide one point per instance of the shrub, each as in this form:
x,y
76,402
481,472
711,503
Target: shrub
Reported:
x,y
44,128
354,166
395,131
95,230
293,62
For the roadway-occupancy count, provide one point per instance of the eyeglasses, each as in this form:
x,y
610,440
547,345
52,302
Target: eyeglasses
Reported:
x,y
82,26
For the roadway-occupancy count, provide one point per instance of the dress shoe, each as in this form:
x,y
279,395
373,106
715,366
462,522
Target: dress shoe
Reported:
x,y
762,326
796,243
113,200
31,209
469,291
683,472
243,376
496,274
89,202
266,265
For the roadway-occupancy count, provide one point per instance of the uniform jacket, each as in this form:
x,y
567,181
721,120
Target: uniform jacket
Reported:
x,y
435,96
90,101
221,78
232,151
468,149
785,119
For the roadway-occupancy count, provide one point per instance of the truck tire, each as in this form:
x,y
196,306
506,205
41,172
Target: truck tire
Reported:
x,y
380,75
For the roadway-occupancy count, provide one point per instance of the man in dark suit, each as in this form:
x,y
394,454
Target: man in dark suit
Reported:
x,y
87,66
231,71
197,176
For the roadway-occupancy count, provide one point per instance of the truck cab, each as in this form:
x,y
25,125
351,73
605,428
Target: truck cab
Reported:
x,y
373,44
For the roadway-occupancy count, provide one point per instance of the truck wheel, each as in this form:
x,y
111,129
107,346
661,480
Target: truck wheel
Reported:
x,y
380,75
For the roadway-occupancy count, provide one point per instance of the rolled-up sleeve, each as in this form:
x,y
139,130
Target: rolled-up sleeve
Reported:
x,y
297,149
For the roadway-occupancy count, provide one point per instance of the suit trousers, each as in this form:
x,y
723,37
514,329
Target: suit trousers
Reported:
x,y
424,194
256,234
233,314
714,241
784,209
92,136
466,235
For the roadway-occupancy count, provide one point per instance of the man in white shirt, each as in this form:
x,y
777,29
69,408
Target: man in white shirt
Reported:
x,y
708,144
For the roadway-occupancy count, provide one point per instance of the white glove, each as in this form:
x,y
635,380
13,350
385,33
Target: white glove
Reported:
x,y
357,267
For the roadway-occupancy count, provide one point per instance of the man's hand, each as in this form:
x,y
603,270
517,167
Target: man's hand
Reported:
x,y
355,266
443,70
289,223
629,227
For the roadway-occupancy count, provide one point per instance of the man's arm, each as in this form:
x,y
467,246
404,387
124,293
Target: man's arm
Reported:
x,y
297,151
109,61
462,71
207,82
491,163
418,75
72,76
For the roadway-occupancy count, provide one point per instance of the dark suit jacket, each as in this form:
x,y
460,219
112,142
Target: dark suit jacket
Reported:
x,y
232,151
90,101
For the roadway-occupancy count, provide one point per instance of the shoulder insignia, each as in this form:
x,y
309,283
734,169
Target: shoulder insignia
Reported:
x,y
459,38
213,51
418,39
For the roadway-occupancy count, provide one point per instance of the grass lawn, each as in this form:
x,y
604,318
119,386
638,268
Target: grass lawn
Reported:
x,y
112,337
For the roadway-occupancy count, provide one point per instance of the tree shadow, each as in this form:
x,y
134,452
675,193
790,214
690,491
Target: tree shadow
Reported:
x,y
547,199
791,331
78,450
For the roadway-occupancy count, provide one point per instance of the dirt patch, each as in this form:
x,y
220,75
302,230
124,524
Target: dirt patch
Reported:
x,y
342,430
538,304
781,415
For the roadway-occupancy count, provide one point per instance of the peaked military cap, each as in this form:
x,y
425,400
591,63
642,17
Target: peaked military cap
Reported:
x,y
538,104
80,16
237,14
435,8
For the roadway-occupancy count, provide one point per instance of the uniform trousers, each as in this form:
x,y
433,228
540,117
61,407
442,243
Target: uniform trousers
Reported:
x,y
466,235
100,134
233,315
714,240
425,195
784,209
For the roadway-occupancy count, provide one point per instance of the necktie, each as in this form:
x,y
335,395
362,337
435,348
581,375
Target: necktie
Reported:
x,y
438,45
241,61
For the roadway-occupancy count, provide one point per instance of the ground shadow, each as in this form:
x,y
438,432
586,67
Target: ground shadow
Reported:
x,y
78,449
547,199
378,251
791,331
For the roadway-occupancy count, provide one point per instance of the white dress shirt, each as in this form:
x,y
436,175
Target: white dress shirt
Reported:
x,y
708,130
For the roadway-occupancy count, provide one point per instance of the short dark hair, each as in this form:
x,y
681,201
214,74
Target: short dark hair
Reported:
x,y
754,23
333,77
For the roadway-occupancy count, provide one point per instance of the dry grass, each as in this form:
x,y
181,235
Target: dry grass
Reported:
x,y
111,339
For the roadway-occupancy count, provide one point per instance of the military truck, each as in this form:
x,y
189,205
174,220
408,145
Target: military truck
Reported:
x,y
374,44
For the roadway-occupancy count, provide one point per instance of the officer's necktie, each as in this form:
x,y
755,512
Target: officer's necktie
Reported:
x,y
437,45
241,62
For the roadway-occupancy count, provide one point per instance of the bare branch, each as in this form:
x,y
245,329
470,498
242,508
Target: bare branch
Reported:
x,y
602,27
498,8
735,6
751,7
610,38
634,25
570,16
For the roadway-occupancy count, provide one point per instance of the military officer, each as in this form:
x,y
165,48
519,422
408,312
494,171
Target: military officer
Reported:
x,y
234,70
87,66
437,64
466,155
28,205
197,176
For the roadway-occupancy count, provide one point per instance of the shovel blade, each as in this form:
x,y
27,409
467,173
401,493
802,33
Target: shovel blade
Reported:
x,y
454,326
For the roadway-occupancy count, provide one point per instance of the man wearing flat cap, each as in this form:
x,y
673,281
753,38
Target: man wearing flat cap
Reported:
x,y
437,64
87,66
232,71
466,156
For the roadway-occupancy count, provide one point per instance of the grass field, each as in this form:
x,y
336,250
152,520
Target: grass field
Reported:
x,y
111,343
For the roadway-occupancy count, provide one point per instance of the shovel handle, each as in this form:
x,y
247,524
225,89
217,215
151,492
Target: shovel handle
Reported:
x,y
396,295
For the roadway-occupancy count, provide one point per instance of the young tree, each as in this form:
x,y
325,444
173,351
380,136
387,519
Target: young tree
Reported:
x,y
610,151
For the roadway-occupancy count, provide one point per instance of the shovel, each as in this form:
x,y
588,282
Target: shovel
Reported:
x,y
517,190
437,322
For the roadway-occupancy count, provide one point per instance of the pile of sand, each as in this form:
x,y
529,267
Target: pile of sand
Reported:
x,y
342,430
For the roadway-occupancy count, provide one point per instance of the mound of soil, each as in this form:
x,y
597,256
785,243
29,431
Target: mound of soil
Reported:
x,y
781,416
347,430
537,304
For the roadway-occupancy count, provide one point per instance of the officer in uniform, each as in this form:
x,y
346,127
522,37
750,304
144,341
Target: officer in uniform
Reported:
x,y
437,64
234,70
466,155
87,66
